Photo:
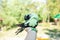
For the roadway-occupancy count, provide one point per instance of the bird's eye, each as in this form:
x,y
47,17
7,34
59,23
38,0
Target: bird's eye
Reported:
x,y
27,17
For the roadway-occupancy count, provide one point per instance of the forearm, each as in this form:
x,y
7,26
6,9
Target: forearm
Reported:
x,y
31,34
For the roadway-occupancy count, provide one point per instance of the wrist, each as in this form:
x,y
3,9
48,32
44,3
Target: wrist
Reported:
x,y
30,29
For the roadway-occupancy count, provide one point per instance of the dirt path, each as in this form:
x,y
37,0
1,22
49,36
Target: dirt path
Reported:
x,y
10,35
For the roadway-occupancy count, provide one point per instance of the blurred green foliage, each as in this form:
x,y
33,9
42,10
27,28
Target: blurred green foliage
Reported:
x,y
13,12
53,33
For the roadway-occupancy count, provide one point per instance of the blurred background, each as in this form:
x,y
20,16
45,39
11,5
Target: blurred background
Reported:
x,y
12,12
